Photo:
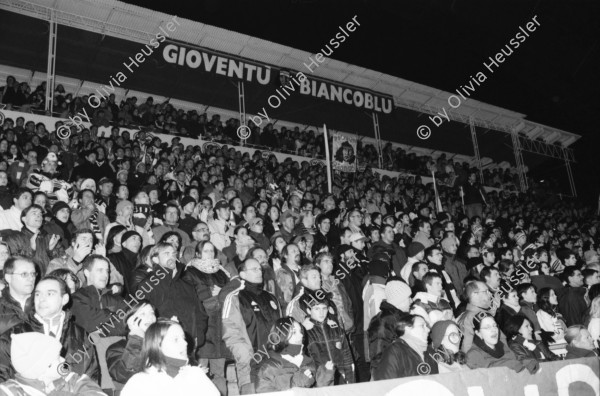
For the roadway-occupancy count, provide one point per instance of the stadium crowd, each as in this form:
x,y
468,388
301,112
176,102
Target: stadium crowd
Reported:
x,y
131,266
164,118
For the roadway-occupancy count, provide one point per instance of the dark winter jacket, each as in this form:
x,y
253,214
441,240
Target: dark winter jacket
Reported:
x,y
11,312
576,353
400,360
78,351
125,262
503,314
124,359
541,352
381,332
571,304
203,283
99,310
278,374
173,296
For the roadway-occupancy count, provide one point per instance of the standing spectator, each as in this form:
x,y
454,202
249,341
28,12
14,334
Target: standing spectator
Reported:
x,y
454,267
473,197
170,223
88,215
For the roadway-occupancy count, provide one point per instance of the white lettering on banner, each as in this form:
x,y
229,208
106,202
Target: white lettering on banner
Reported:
x,y
210,63
573,373
333,93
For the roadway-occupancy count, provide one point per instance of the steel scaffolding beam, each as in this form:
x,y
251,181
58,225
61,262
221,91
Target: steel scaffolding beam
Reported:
x,y
51,70
519,160
476,149
570,176
378,138
242,108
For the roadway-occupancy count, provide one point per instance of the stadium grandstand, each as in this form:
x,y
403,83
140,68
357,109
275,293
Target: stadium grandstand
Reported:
x,y
189,209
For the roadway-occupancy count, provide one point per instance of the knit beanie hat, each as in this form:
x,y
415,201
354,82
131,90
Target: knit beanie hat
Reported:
x,y
58,206
438,331
129,234
415,248
397,292
32,353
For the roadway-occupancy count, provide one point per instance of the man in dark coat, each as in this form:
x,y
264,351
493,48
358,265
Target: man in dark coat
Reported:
x,y
79,353
571,299
173,296
16,302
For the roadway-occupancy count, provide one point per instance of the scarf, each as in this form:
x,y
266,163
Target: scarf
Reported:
x,y
497,352
174,365
65,228
416,344
94,222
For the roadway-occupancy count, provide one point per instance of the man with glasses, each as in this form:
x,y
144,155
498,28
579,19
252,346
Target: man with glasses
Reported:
x,y
249,312
16,303
480,300
200,233
434,258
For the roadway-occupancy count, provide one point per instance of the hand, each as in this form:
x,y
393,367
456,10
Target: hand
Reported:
x,y
329,365
136,326
100,249
53,241
81,252
308,373
308,324
215,290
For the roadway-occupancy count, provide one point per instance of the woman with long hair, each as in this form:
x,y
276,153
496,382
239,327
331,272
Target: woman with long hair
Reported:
x,y
549,319
165,365
143,267
113,239
287,366
520,336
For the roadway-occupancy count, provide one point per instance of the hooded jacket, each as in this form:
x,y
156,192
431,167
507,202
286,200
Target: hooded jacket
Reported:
x,y
381,332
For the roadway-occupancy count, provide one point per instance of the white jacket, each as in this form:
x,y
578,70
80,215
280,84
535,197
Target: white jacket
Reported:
x,y
191,381
10,219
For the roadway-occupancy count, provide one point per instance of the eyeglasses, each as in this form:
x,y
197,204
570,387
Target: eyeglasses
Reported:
x,y
25,275
259,269
201,229
483,291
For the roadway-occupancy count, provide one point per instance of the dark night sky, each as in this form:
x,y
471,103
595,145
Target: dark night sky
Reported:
x,y
554,78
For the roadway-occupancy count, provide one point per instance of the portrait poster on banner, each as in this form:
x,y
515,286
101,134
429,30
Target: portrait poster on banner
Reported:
x,y
344,154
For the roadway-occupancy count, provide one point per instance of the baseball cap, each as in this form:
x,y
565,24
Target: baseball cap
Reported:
x,y
357,236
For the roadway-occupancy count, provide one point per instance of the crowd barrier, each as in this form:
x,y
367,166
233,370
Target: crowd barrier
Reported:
x,y
579,377
49,122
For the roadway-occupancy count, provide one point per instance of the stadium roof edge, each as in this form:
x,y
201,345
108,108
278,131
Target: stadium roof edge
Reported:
x,y
108,16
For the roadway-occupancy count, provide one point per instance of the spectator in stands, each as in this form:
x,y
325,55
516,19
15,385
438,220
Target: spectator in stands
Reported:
x,y
172,295
88,215
288,276
479,300
32,240
61,224
434,257
124,358
170,223
17,302
571,298
95,307
527,300
11,219
339,295
219,227
408,354
580,343
423,235
286,366
40,369
381,331
52,319
445,342
125,261
490,350
166,366
454,267
125,218
520,336
430,304
246,330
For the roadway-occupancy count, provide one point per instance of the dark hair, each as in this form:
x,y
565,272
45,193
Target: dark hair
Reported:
x,y
543,301
171,204
594,291
281,332
569,272
523,288
504,265
254,249
152,355
20,191
513,325
86,190
429,251
9,265
588,272
169,234
89,261
26,211
64,289
486,272
286,251
403,322
132,310
201,245
429,277
63,274
112,233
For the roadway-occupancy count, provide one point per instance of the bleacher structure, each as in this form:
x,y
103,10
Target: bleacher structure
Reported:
x,y
135,24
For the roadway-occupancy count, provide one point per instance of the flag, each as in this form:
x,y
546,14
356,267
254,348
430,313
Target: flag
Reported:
x,y
438,201
344,153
